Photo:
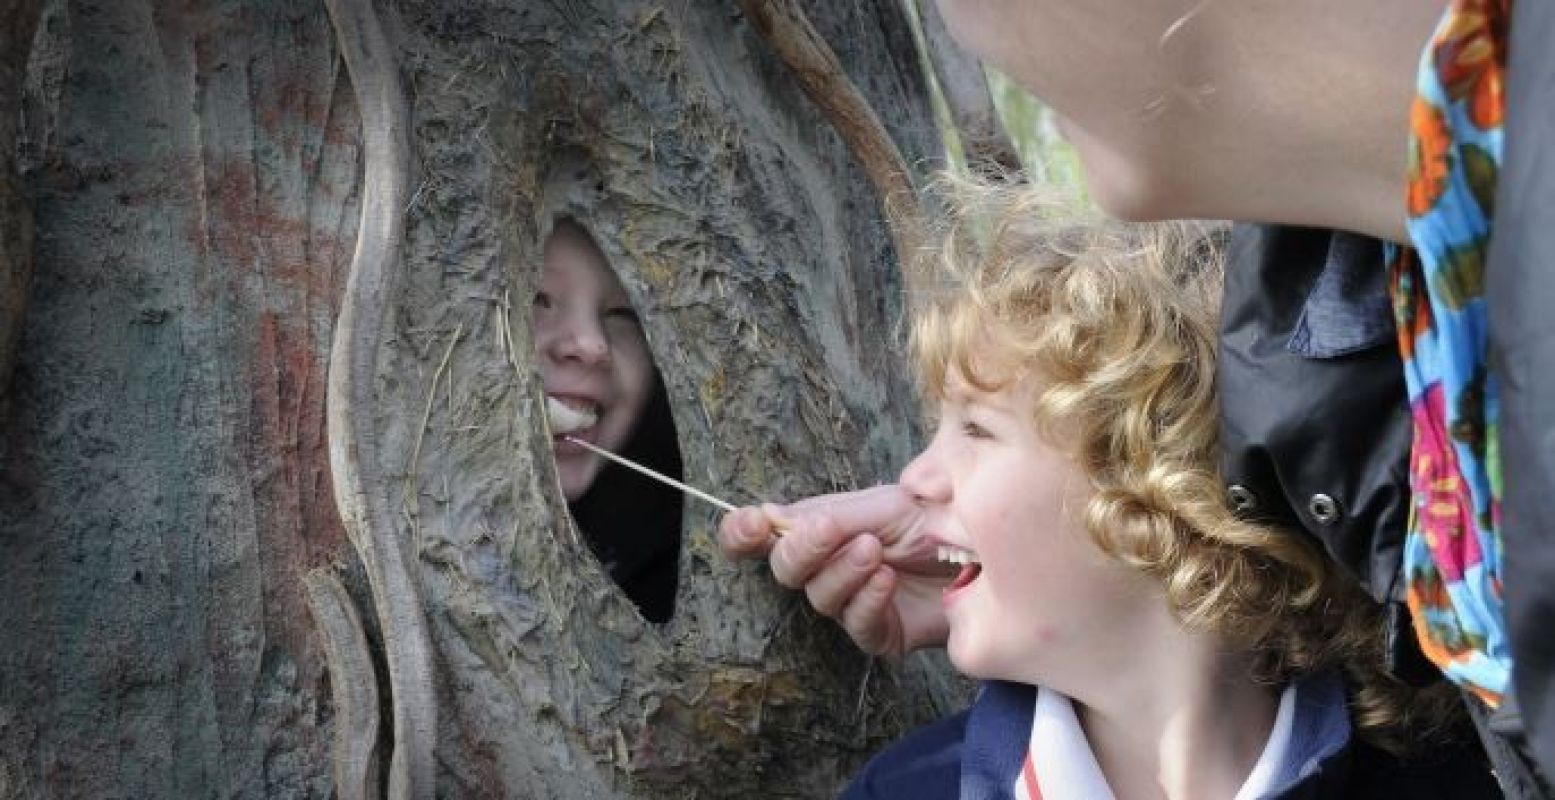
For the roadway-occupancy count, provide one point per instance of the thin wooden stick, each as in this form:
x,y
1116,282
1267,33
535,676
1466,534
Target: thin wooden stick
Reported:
x,y
691,490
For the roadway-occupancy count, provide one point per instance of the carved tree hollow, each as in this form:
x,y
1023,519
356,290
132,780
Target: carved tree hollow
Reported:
x,y
602,385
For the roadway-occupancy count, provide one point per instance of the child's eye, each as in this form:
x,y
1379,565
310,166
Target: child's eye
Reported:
x,y
975,431
624,313
542,300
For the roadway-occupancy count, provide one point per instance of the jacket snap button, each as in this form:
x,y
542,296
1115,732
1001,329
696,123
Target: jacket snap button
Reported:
x,y
1241,497
1324,509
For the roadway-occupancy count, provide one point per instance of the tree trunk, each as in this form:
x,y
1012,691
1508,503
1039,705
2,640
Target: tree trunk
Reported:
x,y
21,18
985,143
219,581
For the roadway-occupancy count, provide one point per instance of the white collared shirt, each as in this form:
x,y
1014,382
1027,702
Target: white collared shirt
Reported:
x,y
1061,766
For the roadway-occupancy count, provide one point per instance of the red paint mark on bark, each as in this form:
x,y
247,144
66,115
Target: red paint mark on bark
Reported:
x,y
278,278
286,448
254,237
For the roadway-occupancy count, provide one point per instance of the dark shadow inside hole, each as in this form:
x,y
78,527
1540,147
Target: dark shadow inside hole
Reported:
x,y
632,522
594,357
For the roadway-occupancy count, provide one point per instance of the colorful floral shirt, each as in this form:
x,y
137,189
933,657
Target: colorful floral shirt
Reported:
x,y
1452,552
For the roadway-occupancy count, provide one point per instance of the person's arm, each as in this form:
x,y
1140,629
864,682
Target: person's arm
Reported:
x,y
860,560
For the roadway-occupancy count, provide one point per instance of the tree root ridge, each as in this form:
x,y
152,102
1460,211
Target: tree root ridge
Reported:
x,y
354,686
819,72
361,491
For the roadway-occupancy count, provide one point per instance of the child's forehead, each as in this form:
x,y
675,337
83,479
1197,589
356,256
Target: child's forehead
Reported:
x,y
569,248
573,261
990,386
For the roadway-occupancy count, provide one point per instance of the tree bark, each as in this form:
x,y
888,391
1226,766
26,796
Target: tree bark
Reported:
x,y
207,192
356,457
964,86
15,212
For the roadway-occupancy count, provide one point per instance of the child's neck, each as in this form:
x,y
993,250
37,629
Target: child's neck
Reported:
x,y
1190,726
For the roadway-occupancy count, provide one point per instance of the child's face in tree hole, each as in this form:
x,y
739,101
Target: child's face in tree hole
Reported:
x,y
591,351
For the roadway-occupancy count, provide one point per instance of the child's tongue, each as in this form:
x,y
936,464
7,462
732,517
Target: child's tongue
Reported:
x,y
967,574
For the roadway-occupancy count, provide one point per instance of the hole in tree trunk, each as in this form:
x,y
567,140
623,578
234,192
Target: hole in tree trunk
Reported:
x,y
603,386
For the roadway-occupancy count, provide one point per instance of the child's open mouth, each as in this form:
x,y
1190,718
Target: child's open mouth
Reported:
x,y
570,416
971,566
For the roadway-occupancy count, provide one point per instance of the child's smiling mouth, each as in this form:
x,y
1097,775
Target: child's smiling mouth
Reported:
x,y
971,565
570,416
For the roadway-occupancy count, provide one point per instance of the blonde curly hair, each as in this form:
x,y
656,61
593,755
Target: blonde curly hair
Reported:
x,y
1117,325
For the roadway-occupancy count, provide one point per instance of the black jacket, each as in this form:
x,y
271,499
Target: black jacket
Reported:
x,y
1520,290
1314,424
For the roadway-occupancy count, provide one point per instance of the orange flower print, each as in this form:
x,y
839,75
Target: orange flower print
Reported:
x,y
1470,61
1411,308
1430,157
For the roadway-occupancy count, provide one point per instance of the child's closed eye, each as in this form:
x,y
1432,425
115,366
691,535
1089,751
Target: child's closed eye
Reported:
x,y
624,314
973,430
542,300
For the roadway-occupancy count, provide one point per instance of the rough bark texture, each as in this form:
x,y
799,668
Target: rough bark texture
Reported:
x,y
21,22
786,27
196,170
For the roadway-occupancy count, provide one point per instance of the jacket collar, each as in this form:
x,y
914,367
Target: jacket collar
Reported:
x,y
999,729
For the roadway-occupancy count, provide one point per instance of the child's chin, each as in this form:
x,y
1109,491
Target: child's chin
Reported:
x,y
965,659
574,486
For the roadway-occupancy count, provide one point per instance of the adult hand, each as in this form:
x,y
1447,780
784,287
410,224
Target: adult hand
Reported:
x,y
860,558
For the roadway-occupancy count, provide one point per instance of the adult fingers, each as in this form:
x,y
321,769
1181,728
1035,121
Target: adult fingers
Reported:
x,y
833,585
886,510
870,617
809,541
745,533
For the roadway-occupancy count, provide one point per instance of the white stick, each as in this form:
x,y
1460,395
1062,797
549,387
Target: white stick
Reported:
x,y
691,490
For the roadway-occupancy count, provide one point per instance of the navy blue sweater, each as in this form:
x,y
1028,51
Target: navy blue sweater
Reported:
x,y
976,754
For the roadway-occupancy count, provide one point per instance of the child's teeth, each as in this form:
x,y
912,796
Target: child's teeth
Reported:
x,y
952,554
955,555
566,419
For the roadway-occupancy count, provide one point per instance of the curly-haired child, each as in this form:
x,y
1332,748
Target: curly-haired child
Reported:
x,y
1137,638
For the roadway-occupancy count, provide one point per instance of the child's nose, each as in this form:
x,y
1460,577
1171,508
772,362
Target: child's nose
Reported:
x,y
925,479
584,342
